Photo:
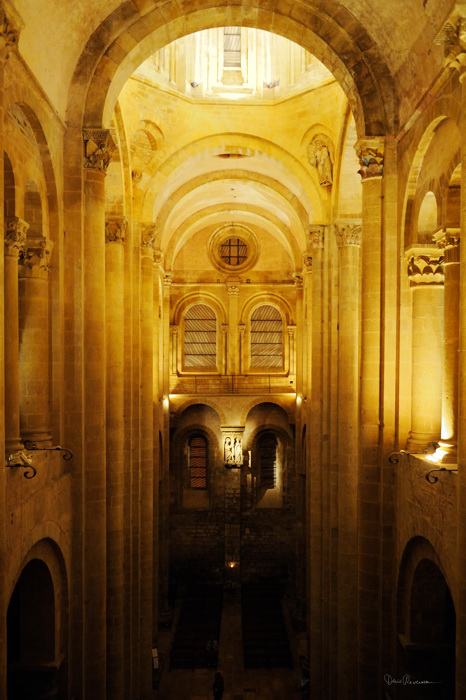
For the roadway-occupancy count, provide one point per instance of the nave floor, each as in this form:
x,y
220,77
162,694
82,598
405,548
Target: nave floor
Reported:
x,y
253,684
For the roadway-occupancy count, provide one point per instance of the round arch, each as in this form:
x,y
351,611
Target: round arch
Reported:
x,y
107,62
269,298
199,298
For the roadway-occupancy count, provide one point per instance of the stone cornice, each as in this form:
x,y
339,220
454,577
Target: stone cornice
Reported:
x,y
115,229
15,235
98,149
348,233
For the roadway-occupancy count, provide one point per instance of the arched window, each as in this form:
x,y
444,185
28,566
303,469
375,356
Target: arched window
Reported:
x,y
267,453
197,460
200,337
266,337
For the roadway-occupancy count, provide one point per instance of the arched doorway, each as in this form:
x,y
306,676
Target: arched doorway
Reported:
x,y
427,632
33,672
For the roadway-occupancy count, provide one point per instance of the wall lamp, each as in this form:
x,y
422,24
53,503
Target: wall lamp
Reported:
x,y
21,459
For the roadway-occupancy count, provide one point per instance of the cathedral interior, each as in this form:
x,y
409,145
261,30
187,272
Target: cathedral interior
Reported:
x,y
233,370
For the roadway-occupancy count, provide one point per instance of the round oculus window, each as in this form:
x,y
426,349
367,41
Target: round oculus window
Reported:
x,y
233,251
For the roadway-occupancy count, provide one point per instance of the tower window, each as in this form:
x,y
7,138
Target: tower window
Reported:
x,y
200,337
197,462
232,47
266,337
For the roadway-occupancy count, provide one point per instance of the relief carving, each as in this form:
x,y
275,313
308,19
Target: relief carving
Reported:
x,y
320,155
98,149
15,235
115,229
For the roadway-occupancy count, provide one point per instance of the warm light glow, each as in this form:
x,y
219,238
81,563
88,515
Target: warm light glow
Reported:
x,y
232,564
438,455
298,400
165,402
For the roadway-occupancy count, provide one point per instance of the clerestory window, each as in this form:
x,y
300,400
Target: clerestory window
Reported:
x,y
200,338
266,337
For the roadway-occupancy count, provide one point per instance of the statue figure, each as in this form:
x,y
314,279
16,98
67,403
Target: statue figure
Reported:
x,y
321,158
228,452
238,451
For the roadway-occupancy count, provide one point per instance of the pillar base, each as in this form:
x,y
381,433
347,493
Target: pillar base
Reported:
x,y
422,443
41,439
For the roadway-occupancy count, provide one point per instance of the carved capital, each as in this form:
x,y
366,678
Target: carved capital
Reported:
x,y
98,149
175,329
158,257
298,281
35,256
449,241
233,289
291,331
11,25
370,153
136,175
307,262
426,269
242,329
147,238
15,235
115,229
317,236
168,279
348,233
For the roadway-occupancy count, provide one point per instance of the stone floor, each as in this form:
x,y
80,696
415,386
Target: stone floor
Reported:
x,y
253,684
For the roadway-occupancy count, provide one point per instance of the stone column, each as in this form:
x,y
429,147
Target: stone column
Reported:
x,y
348,235
314,476
449,242
147,459
34,340
15,238
164,496
98,147
233,287
10,25
461,488
115,236
425,271
157,426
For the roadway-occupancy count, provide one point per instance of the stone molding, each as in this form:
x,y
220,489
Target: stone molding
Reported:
x,y
11,25
317,236
115,229
35,256
15,235
168,279
348,233
98,149
371,157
